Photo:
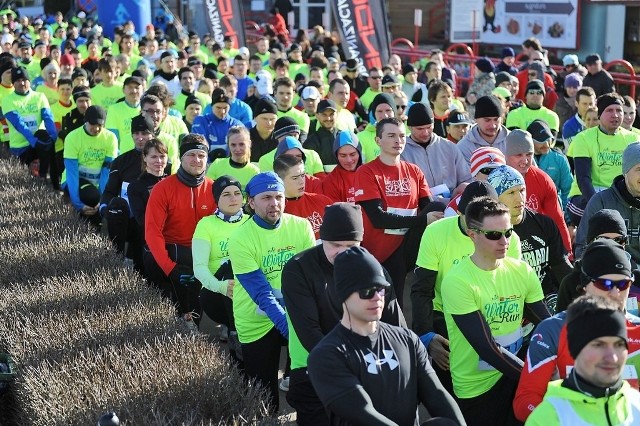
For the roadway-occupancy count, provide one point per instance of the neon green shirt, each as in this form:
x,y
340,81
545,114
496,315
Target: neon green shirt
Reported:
x,y
174,126
605,152
253,248
29,107
367,97
182,98
173,149
523,116
90,151
367,138
299,116
312,164
296,68
50,93
59,111
4,91
210,249
106,96
119,117
222,167
443,246
500,296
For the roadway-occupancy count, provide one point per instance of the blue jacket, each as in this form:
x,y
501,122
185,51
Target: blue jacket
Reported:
x,y
238,110
214,129
556,165
571,128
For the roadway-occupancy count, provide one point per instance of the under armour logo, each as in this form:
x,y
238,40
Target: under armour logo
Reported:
x,y
373,362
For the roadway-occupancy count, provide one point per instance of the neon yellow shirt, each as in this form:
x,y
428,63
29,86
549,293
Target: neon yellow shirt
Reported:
x,y
90,151
605,152
523,116
106,96
4,91
50,93
252,248
312,164
119,117
59,111
500,296
299,116
443,246
222,167
210,250
174,126
182,98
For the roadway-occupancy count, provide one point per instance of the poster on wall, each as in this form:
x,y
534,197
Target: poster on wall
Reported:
x,y
463,13
554,23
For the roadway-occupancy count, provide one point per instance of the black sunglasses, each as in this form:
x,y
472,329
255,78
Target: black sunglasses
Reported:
x,y
368,293
494,235
535,92
608,285
486,170
622,240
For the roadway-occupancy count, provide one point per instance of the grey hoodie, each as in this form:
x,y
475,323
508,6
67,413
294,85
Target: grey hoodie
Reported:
x,y
472,141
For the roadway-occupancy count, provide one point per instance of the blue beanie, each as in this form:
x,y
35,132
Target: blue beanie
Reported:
x,y
263,182
504,178
344,138
506,52
485,65
289,142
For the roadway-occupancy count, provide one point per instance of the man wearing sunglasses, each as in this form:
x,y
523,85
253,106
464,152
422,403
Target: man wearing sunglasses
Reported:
x,y
313,309
540,238
485,297
606,273
369,372
533,109
624,196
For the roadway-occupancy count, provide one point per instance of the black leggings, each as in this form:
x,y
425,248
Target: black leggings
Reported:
x,y
218,307
184,297
261,362
123,229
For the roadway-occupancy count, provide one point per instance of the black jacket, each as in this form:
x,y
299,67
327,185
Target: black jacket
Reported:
x,y
309,295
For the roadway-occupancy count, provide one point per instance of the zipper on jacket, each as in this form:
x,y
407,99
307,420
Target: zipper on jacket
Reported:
x,y
606,407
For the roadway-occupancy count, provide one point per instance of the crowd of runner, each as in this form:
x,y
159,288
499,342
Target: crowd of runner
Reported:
x,y
289,194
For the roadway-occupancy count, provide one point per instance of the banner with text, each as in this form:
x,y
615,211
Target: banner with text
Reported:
x,y
225,18
362,38
554,23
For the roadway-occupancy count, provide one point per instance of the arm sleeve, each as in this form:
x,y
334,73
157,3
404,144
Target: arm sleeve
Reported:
x,y
476,330
594,205
566,179
261,292
136,203
302,307
20,126
422,294
49,124
583,176
114,183
536,312
104,173
558,255
200,251
73,182
432,394
382,219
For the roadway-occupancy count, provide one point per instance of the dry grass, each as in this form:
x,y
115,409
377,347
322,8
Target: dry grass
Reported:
x,y
89,336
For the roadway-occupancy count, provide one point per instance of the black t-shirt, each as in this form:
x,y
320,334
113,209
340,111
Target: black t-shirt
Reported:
x,y
543,250
391,366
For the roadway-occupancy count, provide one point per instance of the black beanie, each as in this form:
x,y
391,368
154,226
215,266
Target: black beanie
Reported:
x,y
140,123
476,189
603,257
605,221
488,106
264,106
342,222
590,324
355,269
382,98
606,100
221,183
285,126
419,115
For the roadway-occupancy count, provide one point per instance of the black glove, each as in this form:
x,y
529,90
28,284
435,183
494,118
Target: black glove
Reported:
x,y
224,272
182,275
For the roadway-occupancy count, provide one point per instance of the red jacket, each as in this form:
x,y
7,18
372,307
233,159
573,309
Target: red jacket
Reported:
x,y
173,211
542,197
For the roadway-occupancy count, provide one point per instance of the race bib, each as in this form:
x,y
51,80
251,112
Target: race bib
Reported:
x,y
401,212
511,342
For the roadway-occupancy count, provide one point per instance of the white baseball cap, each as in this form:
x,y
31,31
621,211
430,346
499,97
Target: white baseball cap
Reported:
x,y
310,92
